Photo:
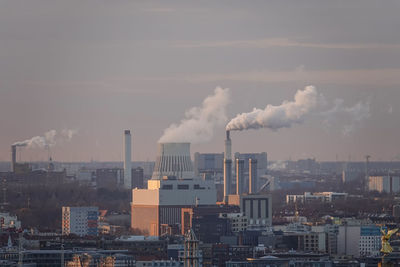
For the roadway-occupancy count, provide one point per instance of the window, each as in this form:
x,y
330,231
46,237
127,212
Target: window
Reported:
x,y
183,186
167,187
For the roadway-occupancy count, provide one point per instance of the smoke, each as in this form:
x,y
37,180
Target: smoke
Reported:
x,y
199,122
282,116
69,133
352,116
48,139
277,166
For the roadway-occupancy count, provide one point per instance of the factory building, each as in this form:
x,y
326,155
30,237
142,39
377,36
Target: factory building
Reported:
x,y
173,187
258,211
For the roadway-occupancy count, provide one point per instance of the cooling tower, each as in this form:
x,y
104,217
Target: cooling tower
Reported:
x,y
173,159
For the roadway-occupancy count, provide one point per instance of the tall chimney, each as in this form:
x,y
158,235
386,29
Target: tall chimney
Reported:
x,y
239,176
253,178
13,157
227,167
127,160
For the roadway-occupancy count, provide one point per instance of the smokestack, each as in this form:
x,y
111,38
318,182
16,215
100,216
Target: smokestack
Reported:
x,y
13,157
239,176
253,178
228,146
127,160
227,167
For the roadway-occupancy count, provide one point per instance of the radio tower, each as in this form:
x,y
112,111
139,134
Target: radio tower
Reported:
x,y
192,254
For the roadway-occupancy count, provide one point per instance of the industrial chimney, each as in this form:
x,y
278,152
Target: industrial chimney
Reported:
x,y
127,160
227,167
239,176
253,178
13,157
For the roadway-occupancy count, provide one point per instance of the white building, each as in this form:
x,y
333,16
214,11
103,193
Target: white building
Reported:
x,y
387,184
317,196
370,240
81,221
9,221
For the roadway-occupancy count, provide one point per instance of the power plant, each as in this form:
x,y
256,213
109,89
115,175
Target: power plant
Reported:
x,y
173,187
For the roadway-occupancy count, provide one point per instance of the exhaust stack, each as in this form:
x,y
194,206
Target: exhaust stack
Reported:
x,y
127,160
253,178
227,167
239,176
13,157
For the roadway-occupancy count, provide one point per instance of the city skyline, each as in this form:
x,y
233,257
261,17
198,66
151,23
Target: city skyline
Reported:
x,y
103,68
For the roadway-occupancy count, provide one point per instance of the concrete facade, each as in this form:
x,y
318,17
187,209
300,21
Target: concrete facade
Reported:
x,y
81,221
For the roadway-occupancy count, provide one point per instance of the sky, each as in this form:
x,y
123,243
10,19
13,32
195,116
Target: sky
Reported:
x,y
99,67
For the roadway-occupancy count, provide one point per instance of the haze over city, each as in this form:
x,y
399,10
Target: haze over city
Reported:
x,y
88,70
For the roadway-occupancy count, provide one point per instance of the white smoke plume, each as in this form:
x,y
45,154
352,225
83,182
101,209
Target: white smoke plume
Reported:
x,y
277,166
69,133
199,122
276,117
352,116
49,139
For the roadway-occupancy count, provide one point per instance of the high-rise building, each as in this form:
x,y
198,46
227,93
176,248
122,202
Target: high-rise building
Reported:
x,y
80,221
127,160
387,183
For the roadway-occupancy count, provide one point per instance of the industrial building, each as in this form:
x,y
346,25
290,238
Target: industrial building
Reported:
x,y
209,166
173,187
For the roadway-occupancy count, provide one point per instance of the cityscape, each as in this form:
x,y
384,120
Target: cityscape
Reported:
x,y
186,134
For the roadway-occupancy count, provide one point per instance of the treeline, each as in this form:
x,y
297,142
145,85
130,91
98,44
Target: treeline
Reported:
x,y
39,206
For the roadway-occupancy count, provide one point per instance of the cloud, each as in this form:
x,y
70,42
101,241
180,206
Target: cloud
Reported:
x,y
281,42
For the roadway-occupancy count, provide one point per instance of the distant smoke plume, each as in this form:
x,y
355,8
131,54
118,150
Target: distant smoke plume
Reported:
x,y
277,166
48,139
276,117
69,133
199,122
352,116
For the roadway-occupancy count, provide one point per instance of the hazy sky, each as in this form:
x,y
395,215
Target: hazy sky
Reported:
x,y
100,67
